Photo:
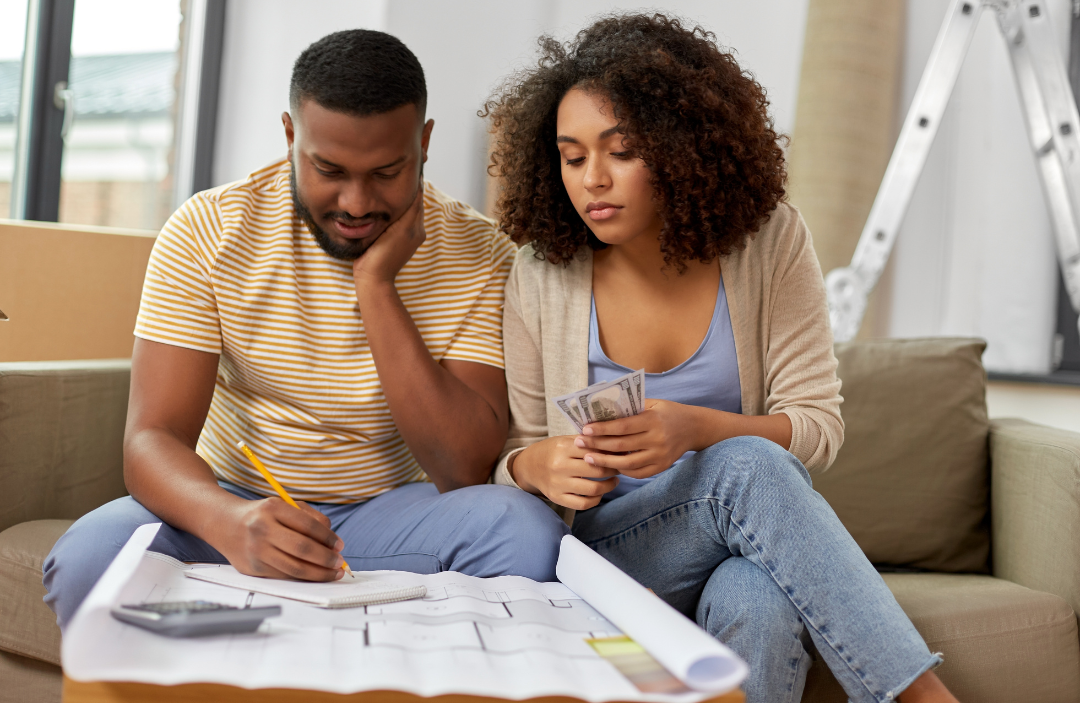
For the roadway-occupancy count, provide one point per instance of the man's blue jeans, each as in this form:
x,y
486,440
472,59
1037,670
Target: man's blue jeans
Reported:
x,y
479,530
736,538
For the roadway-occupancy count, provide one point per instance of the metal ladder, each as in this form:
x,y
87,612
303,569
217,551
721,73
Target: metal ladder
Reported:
x,y
1053,127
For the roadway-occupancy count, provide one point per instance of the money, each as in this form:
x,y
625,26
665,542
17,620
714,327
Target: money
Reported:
x,y
607,400
570,410
608,403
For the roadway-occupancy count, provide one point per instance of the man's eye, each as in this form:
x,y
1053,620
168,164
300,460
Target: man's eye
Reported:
x,y
387,176
328,174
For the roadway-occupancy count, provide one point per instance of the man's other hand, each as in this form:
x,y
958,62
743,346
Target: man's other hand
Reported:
x,y
270,538
383,260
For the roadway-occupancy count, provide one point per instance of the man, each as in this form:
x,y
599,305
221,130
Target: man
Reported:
x,y
343,319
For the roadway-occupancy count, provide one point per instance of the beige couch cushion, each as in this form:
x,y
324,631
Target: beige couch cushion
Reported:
x,y
27,626
1001,642
61,437
911,481
28,680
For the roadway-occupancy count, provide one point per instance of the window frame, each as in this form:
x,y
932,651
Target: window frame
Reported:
x,y
39,149
204,38
1069,335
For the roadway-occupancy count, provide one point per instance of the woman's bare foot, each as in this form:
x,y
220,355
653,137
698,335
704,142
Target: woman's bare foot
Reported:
x,y
927,689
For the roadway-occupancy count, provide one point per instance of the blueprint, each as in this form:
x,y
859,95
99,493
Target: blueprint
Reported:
x,y
506,637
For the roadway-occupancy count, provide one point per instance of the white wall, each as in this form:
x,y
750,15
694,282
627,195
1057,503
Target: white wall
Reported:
x,y
1056,406
262,40
767,37
466,48
975,255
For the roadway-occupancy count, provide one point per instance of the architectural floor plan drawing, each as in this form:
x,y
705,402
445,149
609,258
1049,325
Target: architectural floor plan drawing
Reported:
x,y
502,614
506,637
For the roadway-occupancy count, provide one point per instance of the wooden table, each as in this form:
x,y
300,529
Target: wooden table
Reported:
x,y
113,692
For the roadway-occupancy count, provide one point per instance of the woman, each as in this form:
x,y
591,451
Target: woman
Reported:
x,y
643,176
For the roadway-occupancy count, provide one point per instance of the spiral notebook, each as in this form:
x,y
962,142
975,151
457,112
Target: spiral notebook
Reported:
x,y
350,592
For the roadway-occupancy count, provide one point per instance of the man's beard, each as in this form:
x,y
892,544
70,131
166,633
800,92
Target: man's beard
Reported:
x,y
351,249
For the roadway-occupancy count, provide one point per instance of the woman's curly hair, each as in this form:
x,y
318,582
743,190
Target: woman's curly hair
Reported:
x,y
686,108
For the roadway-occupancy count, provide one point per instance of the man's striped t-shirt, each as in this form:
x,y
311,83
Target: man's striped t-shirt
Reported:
x,y
235,272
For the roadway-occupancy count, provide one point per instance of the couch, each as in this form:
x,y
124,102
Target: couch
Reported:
x,y
974,524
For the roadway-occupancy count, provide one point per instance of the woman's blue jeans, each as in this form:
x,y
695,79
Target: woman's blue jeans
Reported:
x,y
736,538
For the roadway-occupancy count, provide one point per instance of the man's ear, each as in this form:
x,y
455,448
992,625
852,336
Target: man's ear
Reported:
x,y
425,139
286,120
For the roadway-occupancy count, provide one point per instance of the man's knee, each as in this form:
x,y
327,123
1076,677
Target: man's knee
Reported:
x,y
83,553
522,533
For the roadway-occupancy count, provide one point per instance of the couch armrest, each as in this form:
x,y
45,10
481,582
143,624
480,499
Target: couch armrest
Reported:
x,y
61,437
1035,507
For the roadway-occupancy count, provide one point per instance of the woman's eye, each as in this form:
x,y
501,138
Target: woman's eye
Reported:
x,y
622,154
573,162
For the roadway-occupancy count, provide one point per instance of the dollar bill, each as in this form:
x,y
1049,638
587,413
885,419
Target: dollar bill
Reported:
x,y
606,400
614,400
567,404
637,380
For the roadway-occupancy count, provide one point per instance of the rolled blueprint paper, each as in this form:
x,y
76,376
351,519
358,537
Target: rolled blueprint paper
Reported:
x,y
692,655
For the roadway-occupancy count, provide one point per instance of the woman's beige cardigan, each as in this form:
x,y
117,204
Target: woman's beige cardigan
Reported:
x,y
779,317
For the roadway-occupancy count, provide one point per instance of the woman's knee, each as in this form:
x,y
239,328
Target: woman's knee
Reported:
x,y
750,459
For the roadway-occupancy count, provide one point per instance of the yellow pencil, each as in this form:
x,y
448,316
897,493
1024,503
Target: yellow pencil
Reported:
x,y
277,486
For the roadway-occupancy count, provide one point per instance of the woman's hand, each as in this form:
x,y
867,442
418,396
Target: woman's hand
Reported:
x,y
643,445
556,468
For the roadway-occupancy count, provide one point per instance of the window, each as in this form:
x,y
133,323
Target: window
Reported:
x,y
118,149
116,109
12,38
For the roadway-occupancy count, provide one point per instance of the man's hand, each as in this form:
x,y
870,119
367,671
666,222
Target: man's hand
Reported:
x,y
382,261
556,468
642,445
271,538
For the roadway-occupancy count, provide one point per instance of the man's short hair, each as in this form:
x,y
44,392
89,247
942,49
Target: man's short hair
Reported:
x,y
359,72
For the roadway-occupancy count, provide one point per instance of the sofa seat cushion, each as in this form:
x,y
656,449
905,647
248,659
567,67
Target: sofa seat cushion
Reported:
x,y
1000,641
27,626
28,680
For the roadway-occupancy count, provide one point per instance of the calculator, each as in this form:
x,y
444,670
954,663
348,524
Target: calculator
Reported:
x,y
194,618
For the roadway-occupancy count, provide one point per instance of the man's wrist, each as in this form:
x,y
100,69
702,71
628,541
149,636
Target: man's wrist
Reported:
x,y
216,517
374,290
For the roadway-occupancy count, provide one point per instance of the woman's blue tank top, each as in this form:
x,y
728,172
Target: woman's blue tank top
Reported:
x,y
709,378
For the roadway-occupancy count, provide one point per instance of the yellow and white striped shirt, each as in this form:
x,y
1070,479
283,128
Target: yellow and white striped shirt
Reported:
x,y
236,273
